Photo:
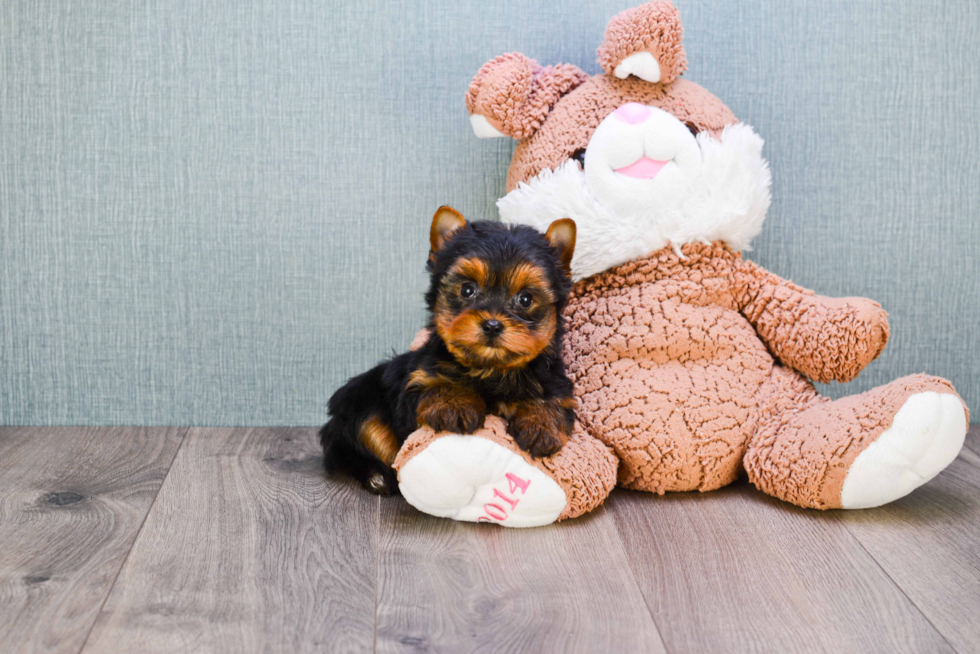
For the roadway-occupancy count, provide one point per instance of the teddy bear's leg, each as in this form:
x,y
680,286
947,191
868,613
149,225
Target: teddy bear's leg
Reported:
x,y
856,452
485,477
673,427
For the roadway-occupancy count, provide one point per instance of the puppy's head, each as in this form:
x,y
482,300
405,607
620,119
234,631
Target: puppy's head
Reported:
x,y
497,291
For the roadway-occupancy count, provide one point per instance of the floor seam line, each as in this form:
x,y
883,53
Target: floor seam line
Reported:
x,y
129,553
629,563
974,452
975,447
864,549
377,572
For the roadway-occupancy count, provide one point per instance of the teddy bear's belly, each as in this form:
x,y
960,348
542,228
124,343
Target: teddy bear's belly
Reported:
x,y
671,387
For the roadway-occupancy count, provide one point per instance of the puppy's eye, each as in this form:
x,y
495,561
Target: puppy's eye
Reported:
x,y
525,299
467,290
579,156
694,129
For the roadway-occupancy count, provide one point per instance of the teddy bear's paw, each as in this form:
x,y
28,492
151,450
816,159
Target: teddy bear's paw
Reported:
x,y
474,479
925,436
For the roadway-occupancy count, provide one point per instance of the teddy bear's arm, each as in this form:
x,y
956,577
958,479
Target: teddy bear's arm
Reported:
x,y
825,339
420,339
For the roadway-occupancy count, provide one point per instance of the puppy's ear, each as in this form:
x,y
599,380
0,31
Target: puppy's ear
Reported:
x,y
445,221
561,235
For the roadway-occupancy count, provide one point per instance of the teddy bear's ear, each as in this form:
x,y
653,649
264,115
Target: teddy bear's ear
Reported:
x,y
645,41
512,95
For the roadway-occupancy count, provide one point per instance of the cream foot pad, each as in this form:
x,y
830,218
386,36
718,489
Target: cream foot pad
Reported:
x,y
925,436
485,477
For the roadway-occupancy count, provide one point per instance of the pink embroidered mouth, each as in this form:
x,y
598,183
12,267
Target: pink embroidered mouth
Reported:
x,y
645,168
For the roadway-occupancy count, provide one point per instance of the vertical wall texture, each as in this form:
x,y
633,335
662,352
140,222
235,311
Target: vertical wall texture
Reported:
x,y
214,213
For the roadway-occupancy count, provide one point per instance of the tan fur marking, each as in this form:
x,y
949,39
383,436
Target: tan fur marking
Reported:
x,y
421,380
451,407
539,426
445,221
473,268
527,345
531,277
378,438
562,234
506,410
568,402
515,348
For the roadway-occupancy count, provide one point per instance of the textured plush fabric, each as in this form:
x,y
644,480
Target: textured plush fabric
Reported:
x,y
215,213
515,93
721,194
793,322
653,27
572,122
688,361
674,352
584,468
805,444
672,361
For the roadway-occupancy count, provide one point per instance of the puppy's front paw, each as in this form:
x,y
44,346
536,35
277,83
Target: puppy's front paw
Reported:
x,y
540,429
379,483
454,410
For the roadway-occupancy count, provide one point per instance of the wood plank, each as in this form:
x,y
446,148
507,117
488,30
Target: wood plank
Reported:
x,y
736,571
459,587
72,501
248,548
929,544
973,439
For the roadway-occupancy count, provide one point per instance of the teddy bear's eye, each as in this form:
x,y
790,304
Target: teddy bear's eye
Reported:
x,y
579,156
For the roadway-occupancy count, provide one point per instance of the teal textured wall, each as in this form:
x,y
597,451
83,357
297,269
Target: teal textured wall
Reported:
x,y
214,213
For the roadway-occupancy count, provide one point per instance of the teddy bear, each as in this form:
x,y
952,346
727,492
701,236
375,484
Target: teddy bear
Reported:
x,y
691,364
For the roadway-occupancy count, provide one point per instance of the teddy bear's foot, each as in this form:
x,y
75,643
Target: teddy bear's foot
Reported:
x,y
473,479
485,477
856,452
925,436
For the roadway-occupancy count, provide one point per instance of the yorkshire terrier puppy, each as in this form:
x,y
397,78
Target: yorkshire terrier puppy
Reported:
x,y
495,302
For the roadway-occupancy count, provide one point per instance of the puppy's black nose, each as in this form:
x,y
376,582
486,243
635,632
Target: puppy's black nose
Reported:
x,y
492,327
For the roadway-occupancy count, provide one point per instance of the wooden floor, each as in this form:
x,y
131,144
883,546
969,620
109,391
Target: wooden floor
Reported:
x,y
231,540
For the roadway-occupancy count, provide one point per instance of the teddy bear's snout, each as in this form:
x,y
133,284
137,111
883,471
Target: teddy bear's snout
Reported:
x,y
638,141
632,113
